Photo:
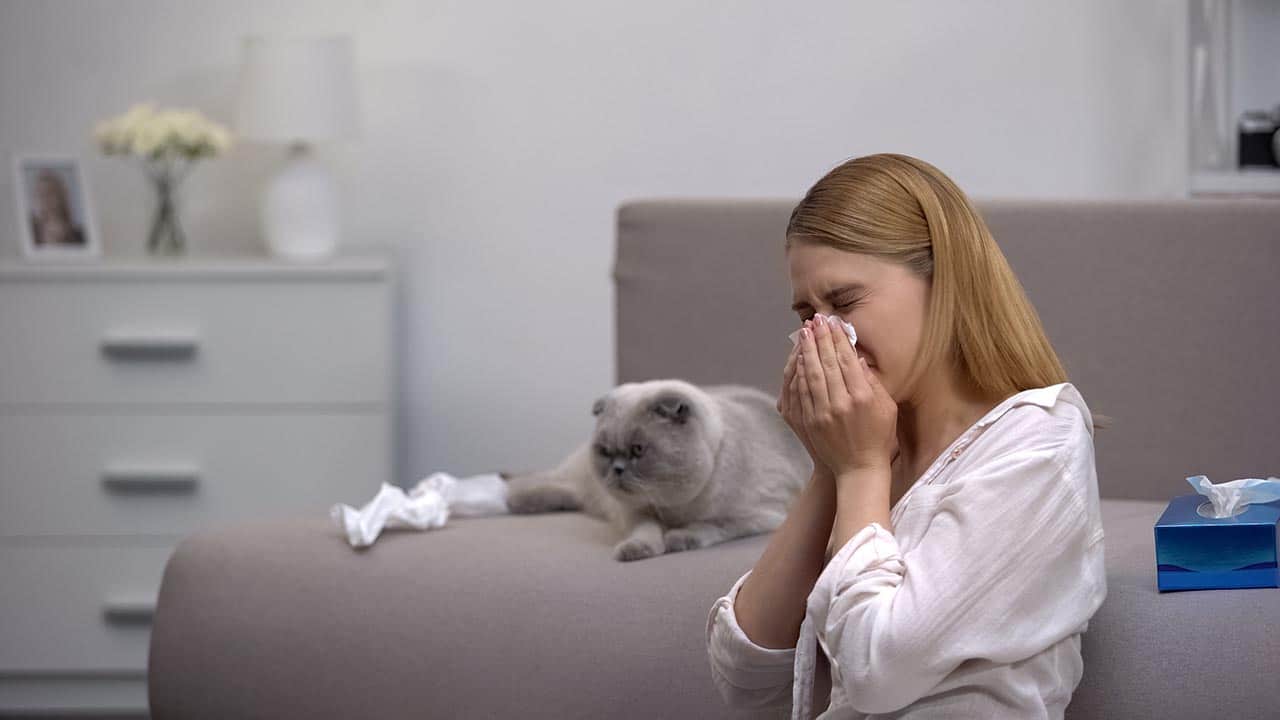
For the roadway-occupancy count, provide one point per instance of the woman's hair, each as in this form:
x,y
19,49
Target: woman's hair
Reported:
x,y
48,178
905,210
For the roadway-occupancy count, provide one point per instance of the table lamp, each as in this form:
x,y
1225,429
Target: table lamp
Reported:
x,y
298,91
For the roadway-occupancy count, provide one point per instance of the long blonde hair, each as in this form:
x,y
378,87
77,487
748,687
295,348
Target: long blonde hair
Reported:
x,y
905,210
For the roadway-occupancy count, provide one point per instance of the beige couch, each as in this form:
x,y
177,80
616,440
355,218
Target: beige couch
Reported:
x,y
1163,312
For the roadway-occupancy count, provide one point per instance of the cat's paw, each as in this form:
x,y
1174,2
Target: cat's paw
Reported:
x,y
677,539
634,549
527,501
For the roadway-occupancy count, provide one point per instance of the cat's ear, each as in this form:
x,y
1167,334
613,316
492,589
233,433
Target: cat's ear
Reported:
x,y
673,407
598,406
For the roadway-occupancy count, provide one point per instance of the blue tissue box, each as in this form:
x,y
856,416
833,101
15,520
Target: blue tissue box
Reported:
x,y
1194,552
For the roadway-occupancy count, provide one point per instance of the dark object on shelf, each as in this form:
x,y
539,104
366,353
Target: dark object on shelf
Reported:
x,y
1257,130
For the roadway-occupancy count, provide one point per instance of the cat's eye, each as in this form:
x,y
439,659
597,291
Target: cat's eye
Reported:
x,y
637,450
602,450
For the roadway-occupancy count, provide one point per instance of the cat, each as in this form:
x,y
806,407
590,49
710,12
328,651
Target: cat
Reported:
x,y
674,466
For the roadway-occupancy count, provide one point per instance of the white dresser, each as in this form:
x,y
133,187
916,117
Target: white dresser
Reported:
x,y
144,399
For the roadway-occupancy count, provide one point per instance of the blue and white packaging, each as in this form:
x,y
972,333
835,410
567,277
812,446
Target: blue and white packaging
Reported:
x,y
1225,537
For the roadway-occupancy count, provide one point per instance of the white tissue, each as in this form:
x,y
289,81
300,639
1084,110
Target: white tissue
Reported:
x,y
474,496
1230,498
848,328
427,505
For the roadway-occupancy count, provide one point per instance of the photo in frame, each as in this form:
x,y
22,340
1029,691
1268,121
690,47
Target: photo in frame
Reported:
x,y
55,213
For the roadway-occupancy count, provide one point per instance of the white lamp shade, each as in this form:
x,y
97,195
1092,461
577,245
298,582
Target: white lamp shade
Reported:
x,y
298,89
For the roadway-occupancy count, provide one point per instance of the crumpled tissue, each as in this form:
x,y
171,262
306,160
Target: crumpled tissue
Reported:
x,y
1231,498
429,504
848,328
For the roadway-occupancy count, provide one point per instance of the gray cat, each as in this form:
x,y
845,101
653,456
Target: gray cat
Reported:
x,y
675,467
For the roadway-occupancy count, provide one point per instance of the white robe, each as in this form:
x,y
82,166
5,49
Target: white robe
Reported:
x,y
972,606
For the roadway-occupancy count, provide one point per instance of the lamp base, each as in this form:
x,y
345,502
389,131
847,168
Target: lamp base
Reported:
x,y
299,211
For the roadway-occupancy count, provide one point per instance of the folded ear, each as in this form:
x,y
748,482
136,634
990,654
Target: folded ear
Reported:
x,y
673,407
598,406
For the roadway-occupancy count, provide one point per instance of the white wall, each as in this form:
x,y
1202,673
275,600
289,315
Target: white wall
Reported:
x,y
1255,57
500,137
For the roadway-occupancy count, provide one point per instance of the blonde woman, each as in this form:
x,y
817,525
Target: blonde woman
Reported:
x,y
954,488
51,222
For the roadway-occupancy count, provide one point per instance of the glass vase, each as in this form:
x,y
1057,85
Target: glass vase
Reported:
x,y
166,237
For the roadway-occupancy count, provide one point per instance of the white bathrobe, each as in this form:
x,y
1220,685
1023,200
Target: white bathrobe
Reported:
x,y
972,606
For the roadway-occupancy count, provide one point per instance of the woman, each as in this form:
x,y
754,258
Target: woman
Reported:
x,y
954,486
51,223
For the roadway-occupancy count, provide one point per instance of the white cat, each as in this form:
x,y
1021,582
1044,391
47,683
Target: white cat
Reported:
x,y
675,467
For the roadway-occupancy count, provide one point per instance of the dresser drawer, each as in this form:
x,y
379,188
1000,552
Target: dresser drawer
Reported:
x,y
152,473
171,340
78,607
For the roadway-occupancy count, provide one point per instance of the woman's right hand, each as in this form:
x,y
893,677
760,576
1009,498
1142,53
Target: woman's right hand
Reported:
x,y
789,407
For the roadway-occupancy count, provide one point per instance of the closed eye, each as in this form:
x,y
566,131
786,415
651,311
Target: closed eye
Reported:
x,y
841,307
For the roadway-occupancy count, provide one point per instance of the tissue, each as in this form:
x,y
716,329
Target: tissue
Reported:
x,y
1226,542
1231,498
474,496
429,504
848,328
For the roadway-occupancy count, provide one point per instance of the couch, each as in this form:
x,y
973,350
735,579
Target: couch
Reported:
x,y
1163,312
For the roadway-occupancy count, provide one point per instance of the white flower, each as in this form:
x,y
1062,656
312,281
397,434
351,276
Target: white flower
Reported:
x,y
221,140
106,135
132,121
188,128
148,139
145,131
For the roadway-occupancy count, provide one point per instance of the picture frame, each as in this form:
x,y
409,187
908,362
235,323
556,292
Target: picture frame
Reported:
x,y
56,219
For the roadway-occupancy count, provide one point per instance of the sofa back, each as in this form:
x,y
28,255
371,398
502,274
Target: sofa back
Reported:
x,y
1165,313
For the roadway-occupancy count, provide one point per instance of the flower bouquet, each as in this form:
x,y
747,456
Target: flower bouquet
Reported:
x,y
168,142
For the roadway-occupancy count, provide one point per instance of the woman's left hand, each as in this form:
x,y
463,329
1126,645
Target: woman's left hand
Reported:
x,y
851,419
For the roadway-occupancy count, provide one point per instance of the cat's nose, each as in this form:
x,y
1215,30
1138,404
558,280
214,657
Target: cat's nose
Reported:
x,y
618,467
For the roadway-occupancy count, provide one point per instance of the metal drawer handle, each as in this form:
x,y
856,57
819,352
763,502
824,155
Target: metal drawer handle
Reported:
x,y
150,344
128,611
156,479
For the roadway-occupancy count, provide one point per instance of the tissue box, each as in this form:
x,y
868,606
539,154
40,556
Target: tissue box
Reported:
x,y
1194,552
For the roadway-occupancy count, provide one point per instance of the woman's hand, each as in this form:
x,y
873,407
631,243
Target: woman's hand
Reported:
x,y
847,415
789,405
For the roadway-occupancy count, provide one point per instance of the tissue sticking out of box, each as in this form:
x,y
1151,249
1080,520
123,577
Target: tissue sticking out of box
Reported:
x,y
1231,498
848,328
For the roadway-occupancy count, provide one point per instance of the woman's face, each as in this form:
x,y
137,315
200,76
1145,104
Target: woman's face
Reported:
x,y
49,195
885,302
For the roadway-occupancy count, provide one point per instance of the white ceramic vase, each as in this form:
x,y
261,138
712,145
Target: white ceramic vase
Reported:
x,y
299,212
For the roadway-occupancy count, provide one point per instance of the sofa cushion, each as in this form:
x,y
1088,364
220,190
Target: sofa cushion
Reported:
x,y
529,616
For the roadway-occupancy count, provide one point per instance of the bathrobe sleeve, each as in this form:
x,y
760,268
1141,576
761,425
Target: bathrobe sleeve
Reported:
x,y
1005,566
745,674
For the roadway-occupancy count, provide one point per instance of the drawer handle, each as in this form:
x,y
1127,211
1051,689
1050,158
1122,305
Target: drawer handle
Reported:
x,y
178,479
128,611
161,345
